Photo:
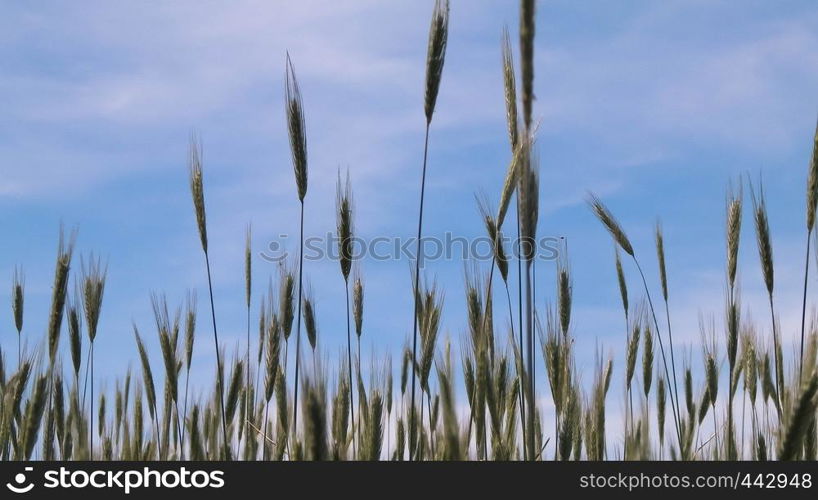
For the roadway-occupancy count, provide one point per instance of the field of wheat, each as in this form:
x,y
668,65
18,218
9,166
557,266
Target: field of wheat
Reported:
x,y
278,397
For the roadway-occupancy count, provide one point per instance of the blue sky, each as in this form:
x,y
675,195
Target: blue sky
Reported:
x,y
653,105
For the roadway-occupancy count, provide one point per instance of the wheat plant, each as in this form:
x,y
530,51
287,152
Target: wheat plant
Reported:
x,y
480,402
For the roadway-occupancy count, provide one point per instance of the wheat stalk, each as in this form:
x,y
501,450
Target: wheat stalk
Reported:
x,y
528,190
435,57
147,377
93,288
765,254
190,338
272,363
197,192
344,228
298,148
812,203
248,287
618,234
168,330
17,301
660,254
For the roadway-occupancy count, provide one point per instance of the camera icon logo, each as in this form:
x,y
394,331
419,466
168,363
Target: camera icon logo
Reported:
x,y
20,485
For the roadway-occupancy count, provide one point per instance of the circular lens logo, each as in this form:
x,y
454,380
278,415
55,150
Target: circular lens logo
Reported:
x,y
20,485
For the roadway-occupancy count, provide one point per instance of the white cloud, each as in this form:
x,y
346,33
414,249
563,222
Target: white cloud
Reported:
x,y
662,81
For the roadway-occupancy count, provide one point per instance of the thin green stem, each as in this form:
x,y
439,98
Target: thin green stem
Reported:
x,y
672,356
264,438
530,361
248,405
91,415
349,370
523,389
218,360
673,403
779,368
298,330
416,291
804,308
184,414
